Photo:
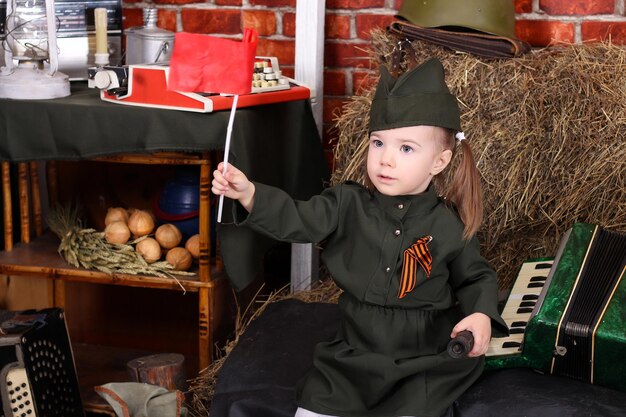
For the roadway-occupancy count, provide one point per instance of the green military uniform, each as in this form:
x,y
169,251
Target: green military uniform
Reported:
x,y
389,357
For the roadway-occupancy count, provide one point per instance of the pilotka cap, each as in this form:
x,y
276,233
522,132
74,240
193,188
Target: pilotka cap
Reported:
x,y
417,97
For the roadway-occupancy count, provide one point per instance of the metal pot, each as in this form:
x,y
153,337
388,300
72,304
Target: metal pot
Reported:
x,y
149,44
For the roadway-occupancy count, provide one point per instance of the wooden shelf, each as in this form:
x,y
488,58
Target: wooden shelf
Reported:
x,y
40,258
98,365
162,158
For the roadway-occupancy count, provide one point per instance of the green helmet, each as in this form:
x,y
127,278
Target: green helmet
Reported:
x,y
496,17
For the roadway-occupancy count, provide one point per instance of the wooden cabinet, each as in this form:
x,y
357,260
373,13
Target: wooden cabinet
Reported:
x,y
36,255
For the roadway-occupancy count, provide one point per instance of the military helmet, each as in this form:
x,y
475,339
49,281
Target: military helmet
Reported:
x,y
496,17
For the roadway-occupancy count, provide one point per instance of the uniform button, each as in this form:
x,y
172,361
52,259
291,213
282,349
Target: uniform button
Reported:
x,y
388,269
397,232
400,206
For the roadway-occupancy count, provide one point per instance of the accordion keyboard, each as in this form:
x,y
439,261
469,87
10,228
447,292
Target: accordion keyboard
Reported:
x,y
519,306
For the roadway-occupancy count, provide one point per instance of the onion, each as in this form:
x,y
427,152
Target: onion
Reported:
x,y
140,223
193,246
168,236
149,249
115,214
117,232
179,258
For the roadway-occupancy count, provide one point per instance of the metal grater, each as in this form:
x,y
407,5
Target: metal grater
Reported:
x,y
20,394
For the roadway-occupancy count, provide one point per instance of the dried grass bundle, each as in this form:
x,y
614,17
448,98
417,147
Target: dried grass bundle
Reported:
x,y
548,131
87,248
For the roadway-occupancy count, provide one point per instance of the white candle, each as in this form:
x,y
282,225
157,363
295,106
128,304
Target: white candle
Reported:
x,y
101,30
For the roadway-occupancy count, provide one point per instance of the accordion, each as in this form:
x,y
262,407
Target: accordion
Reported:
x,y
567,316
37,373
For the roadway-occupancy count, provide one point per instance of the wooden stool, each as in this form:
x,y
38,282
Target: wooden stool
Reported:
x,y
163,369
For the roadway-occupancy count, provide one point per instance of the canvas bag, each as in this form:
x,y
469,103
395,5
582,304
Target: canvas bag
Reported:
x,y
208,64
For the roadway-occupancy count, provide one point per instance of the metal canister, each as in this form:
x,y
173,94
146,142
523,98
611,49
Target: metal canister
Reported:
x,y
149,44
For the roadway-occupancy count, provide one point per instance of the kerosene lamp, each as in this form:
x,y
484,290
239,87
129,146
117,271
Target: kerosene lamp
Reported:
x,y
30,52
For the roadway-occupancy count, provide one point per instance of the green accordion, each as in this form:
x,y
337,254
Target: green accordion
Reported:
x,y
576,325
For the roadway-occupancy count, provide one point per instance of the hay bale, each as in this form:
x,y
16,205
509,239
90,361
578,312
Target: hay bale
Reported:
x,y
548,131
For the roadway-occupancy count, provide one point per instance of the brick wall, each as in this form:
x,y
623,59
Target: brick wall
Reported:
x,y
348,22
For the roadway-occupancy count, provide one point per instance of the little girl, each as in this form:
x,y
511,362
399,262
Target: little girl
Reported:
x,y
407,260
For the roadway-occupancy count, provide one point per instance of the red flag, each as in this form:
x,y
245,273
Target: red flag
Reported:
x,y
208,64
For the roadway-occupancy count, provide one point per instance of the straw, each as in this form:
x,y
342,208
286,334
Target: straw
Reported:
x,y
229,132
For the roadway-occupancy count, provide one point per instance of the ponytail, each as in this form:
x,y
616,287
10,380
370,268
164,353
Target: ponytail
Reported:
x,y
465,192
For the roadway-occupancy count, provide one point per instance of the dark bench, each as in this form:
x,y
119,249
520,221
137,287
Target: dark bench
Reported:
x,y
258,377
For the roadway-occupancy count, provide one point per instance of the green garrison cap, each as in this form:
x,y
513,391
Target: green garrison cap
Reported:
x,y
418,97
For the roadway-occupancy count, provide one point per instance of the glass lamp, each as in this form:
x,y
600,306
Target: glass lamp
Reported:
x,y
30,52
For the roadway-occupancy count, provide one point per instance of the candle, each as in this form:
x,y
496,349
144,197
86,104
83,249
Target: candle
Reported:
x,y
101,30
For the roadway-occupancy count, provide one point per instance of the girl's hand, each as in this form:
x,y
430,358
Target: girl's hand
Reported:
x,y
234,185
480,326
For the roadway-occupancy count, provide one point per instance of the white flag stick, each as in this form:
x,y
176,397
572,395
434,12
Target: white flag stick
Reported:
x,y
229,132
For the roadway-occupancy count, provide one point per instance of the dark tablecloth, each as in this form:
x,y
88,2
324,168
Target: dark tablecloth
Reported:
x,y
277,144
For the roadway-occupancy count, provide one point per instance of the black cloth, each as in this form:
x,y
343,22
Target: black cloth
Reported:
x,y
275,351
275,143
258,378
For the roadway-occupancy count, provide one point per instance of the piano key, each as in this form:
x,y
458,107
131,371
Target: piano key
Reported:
x,y
519,306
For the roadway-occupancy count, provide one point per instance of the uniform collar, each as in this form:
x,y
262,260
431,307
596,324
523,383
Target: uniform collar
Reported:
x,y
400,206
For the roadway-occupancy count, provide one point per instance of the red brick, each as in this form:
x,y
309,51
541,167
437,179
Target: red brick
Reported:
x,y
228,2
346,54
363,80
177,1
398,4
211,21
543,32
602,31
354,4
273,3
332,109
288,71
334,83
132,1
289,24
337,26
167,19
523,6
132,17
577,7
285,51
263,21
366,22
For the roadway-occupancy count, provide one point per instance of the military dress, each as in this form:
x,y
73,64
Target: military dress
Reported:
x,y
389,357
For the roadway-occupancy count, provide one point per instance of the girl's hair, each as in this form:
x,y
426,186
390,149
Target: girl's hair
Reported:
x,y
464,190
